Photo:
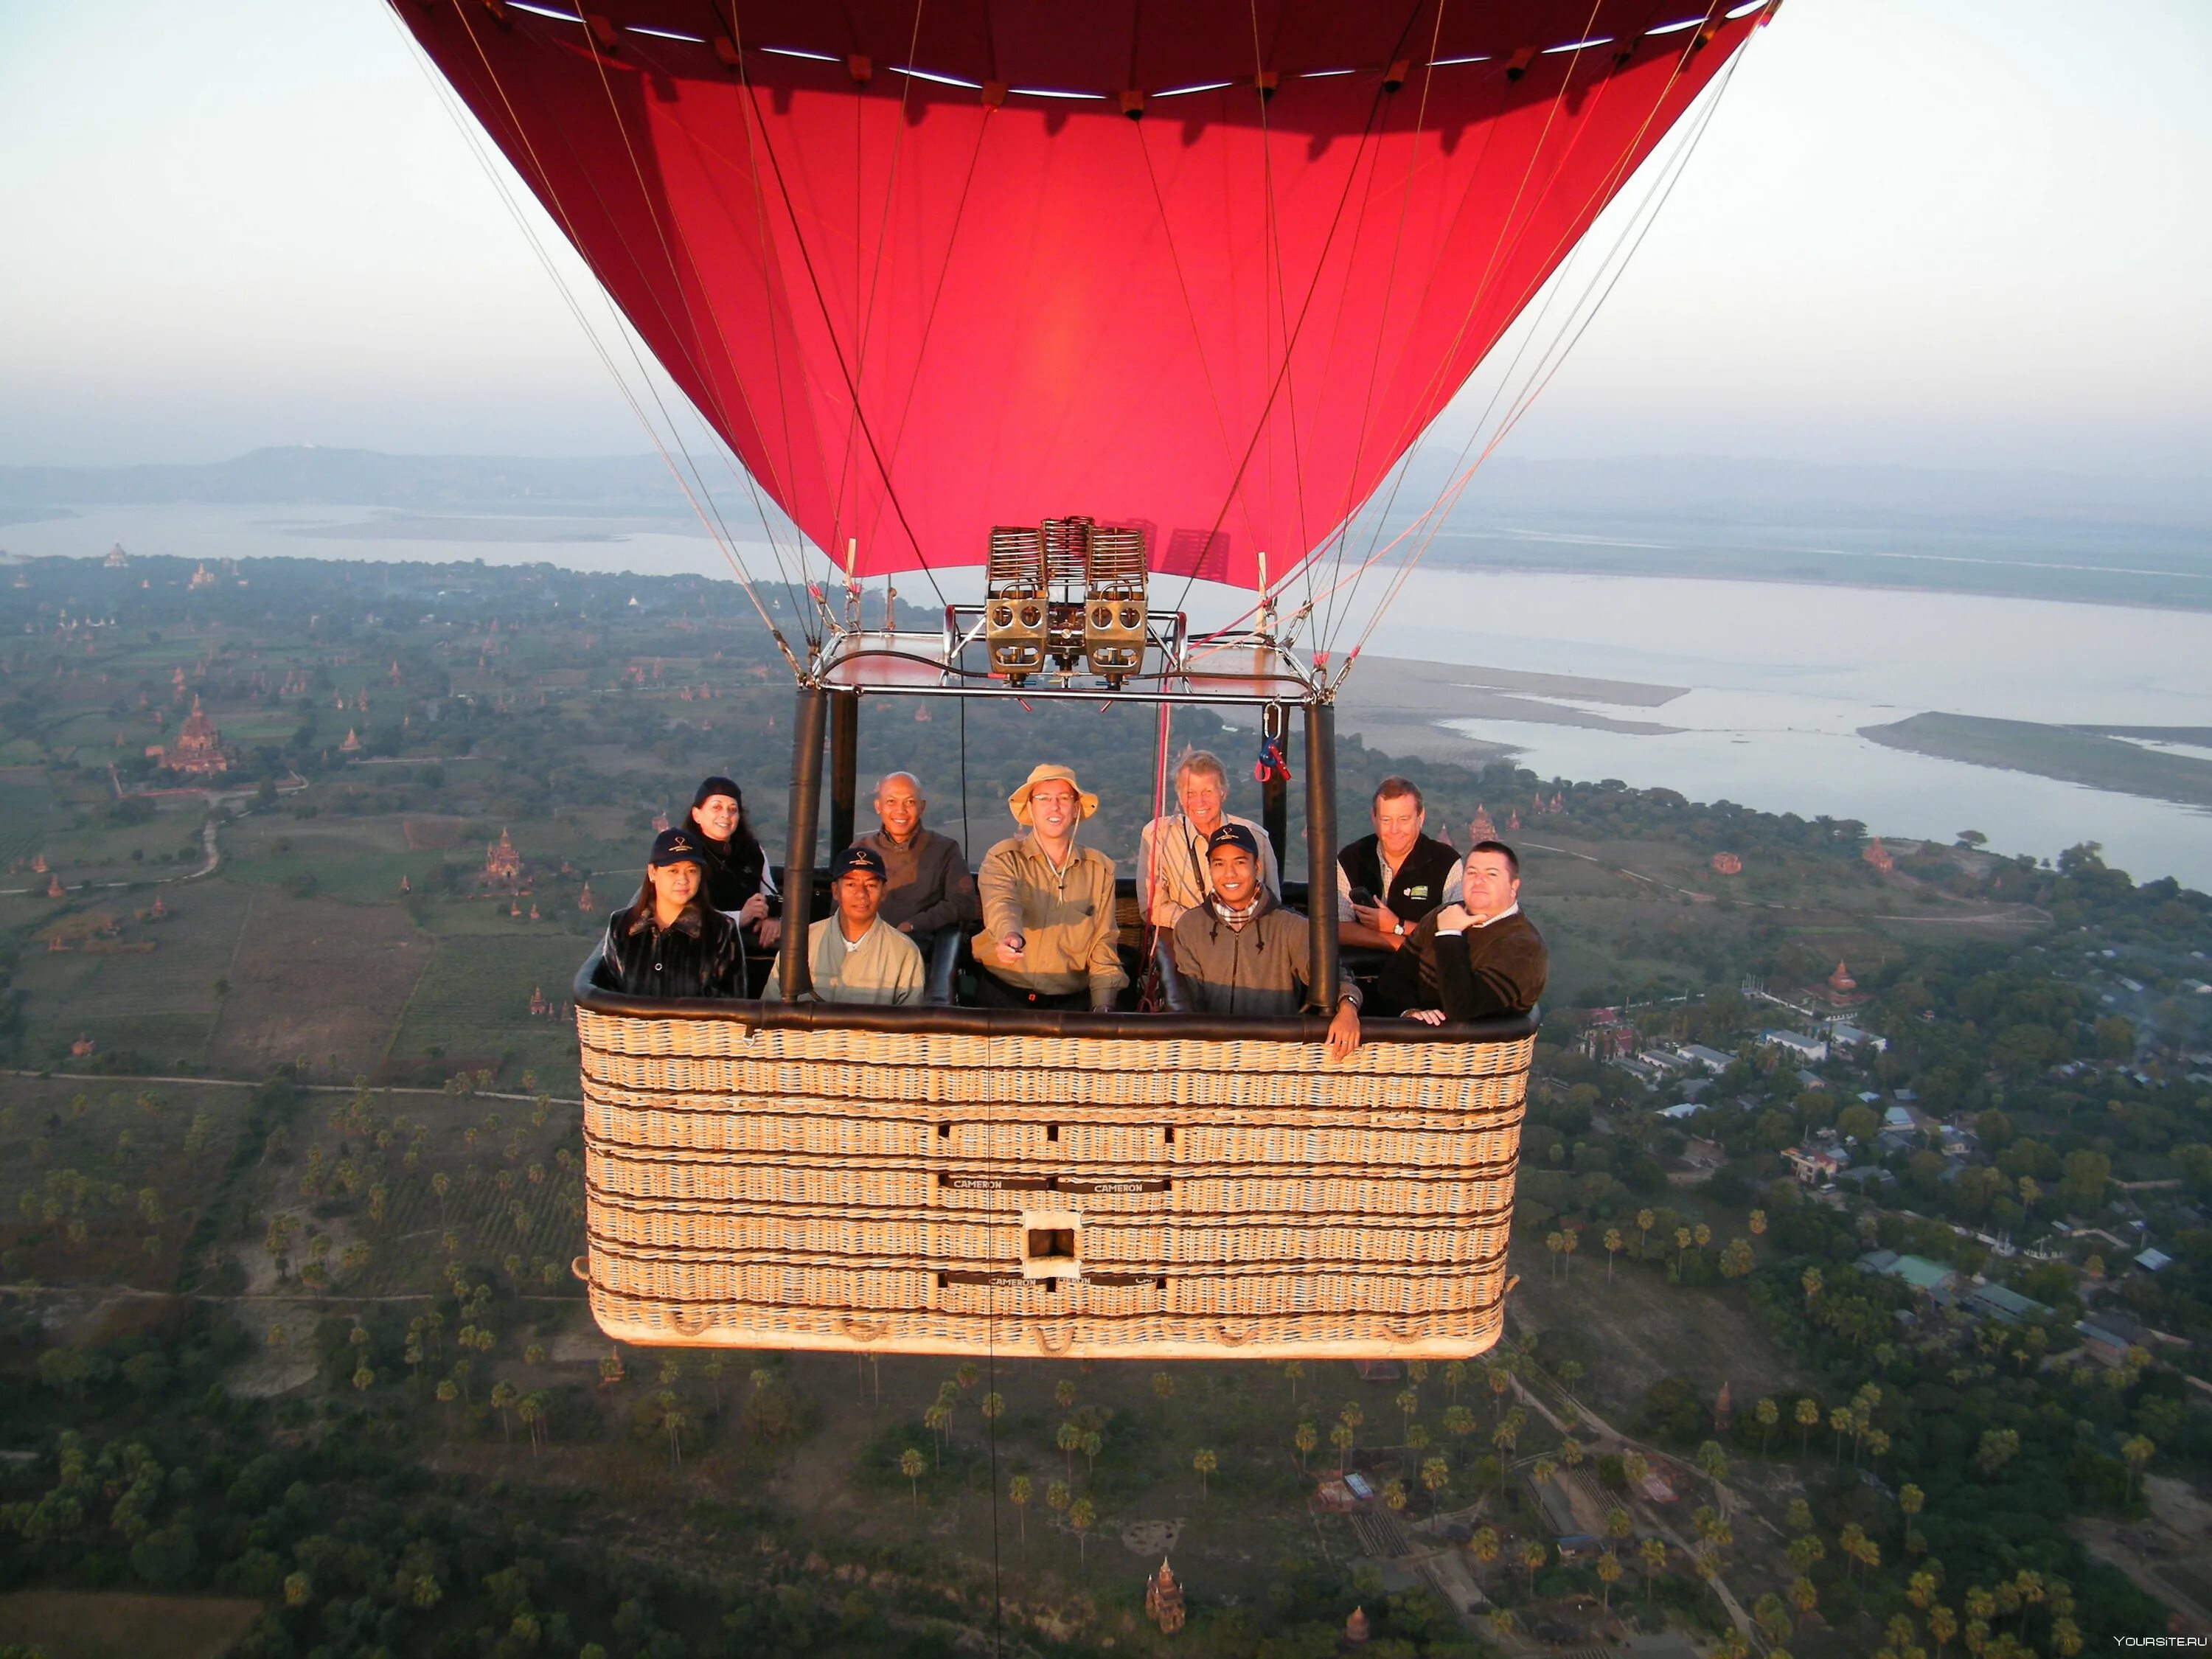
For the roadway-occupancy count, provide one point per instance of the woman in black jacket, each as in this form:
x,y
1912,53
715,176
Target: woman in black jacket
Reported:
x,y
737,878
668,942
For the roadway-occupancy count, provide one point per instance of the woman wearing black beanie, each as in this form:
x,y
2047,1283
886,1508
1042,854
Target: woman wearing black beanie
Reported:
x,y
738,879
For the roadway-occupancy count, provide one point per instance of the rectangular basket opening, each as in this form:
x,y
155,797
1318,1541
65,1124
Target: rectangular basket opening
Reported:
x,y
1051,1244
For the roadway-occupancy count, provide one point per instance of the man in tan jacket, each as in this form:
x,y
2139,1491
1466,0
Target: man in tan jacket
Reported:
x,y
1049,932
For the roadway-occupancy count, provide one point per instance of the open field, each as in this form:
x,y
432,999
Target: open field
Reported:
x,y
313,979
102,1183
117,1625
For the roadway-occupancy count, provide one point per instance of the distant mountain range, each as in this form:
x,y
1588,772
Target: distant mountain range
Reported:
x,y
1642,488
619,484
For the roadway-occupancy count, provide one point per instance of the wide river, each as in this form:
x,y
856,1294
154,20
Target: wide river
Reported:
x,y
1778,677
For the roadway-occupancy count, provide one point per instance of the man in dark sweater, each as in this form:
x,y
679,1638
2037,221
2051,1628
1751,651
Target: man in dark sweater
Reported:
x,y
1474,959
926,884
1386,882
1241,954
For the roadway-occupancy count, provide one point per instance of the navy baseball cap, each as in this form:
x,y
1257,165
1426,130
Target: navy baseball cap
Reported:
x,y
677,847
857,857
1232,835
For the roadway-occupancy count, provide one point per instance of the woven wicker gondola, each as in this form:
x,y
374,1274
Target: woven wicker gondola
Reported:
x,y
942,1181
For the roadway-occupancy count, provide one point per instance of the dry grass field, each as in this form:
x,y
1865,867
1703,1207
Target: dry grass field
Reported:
x,y
116,1624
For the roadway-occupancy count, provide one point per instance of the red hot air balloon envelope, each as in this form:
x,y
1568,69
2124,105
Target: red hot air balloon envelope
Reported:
x,y
1201,267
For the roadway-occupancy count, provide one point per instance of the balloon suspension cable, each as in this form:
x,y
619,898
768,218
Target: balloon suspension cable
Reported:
x,y
1501,247
662,236
1580,316
716,531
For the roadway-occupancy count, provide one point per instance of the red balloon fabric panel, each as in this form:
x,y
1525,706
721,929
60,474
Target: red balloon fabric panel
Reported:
x,y
916,309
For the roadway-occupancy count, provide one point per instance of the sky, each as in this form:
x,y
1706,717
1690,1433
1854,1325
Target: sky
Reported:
x,y
1929,232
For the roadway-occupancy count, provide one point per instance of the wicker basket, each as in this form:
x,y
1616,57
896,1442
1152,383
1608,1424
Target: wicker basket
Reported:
x,y
928,1180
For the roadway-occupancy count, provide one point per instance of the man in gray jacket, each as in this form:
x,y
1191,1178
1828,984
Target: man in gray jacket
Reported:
x,y
926,884
1241,954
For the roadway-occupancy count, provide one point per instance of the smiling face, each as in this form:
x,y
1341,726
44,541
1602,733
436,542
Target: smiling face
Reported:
x,y
716,817
1235,875
674,884
899,807
1053,809
1488,885
1398,821
1203,792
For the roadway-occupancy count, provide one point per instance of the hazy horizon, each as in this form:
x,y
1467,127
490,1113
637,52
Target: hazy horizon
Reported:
x,y
1910,236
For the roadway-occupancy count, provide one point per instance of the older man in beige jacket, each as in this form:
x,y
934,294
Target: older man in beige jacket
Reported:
x,y
1049,931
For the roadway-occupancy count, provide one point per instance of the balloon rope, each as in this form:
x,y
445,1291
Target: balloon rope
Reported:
x,y
1551,360
1390,288
715,531
865,317
706,381
747,112
844,369
1504,237
1619,171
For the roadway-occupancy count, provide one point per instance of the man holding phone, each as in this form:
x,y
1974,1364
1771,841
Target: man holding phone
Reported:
x,y
1386,882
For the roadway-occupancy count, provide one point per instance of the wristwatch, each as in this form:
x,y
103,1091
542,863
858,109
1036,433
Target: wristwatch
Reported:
x,y
1398,928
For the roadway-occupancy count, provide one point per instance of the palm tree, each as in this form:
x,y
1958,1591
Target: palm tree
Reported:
x,y
1809,1418
1841,1421
1203,1462
1459,1422
1080,1515
1352,1417
1093,1443
503,1397
1483,1546
1070,1441
967,1375
1164,1385
1613,1242
911,1465
1635,1466
1436,1480
2136,1451
994,1405
1804,1595
1568,1240
1652,1553
1393,1495
1056,1497
1455,1374
1555,1242
1534,1554
1704,1235
1608,1574
935,1419
1811,1279
1408,1402
1293,1370
673,1421
1542,1470
1943,1626
1643,1221
1712,1461
1340,1435
534,1411
1305,1438
1570,1452
1064,1392
1018,1494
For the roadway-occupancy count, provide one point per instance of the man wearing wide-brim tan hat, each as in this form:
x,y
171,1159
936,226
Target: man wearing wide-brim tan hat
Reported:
x,y
1048,933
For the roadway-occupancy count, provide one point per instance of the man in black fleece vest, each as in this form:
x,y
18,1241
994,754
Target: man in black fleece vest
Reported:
x,y
1386,882
1474,959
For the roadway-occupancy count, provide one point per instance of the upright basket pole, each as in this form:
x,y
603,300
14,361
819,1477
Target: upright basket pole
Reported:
x,y
844,767
791,967
1275,788
1320,850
